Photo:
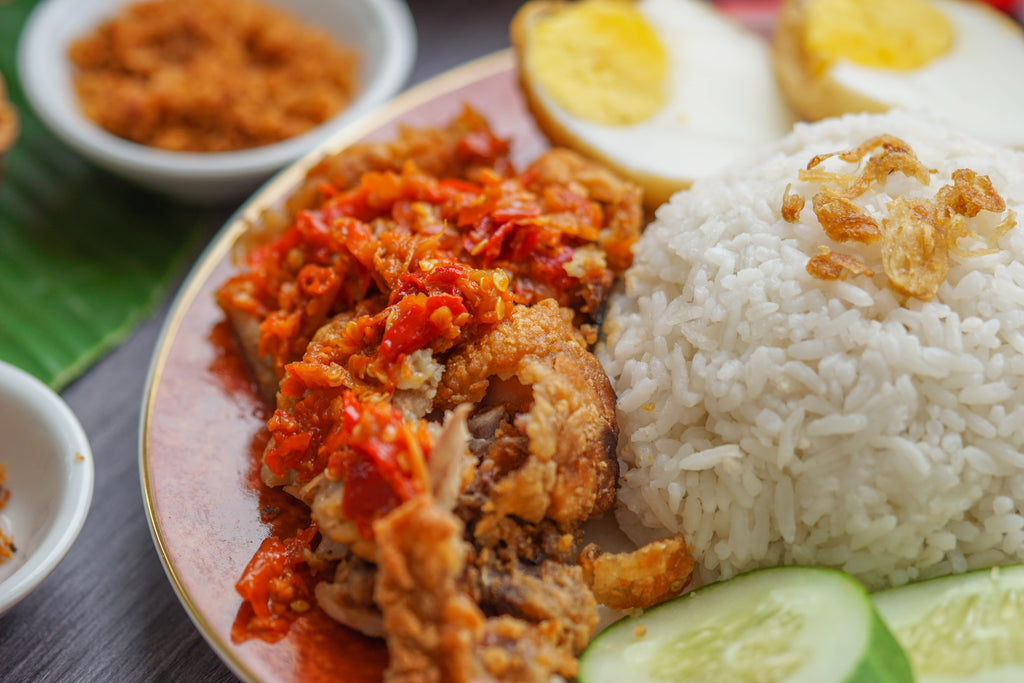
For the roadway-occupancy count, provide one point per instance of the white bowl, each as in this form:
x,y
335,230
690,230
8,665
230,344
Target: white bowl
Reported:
x,y
382,31
50,476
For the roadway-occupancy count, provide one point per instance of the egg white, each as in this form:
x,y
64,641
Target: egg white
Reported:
x,y
978,84
722,100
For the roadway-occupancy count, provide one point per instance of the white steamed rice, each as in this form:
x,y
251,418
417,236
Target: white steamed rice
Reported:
x,y
775,418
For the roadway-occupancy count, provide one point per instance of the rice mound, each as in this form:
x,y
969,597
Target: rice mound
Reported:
x,y
775,418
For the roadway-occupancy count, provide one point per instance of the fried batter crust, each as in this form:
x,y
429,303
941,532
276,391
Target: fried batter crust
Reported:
x,y
571,472
436,632
430,622
651,574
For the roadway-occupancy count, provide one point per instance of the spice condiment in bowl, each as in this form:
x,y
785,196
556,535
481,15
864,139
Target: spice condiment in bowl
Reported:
x,y
210,75
203,129
48,469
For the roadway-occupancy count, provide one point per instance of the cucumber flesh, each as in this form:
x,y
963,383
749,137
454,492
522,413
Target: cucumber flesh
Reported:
x,y
779,625
961,628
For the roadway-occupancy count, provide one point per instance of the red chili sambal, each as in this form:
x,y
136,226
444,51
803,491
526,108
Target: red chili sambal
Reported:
x,y
276,588
547,234
378,453
429,310
334,432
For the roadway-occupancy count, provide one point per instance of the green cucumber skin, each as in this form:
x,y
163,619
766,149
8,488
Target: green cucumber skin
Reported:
x,y
926,593
887,662
890,663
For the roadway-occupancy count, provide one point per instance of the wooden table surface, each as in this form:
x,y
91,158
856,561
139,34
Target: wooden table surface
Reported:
x,y
108,612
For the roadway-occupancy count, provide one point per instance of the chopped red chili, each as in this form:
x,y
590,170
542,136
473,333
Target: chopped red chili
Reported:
x,y
273,583
362,241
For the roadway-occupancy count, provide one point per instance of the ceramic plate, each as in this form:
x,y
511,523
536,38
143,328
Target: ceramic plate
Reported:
x,y
202,421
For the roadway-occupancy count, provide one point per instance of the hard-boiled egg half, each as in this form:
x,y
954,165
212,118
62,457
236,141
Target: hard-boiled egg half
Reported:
x,y
955,58
664,91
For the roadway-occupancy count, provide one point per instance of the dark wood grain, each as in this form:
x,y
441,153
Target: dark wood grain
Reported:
x,y
108,612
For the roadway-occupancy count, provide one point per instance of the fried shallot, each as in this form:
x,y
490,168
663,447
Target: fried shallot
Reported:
x,y
918,236
828,265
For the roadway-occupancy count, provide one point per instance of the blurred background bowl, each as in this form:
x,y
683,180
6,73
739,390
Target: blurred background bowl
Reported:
x,y
50,476
382,32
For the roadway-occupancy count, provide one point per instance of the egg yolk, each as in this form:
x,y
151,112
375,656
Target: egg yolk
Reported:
x,y
884,34
600,60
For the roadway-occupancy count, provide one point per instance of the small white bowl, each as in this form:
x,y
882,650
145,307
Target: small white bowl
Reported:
x,y
50,476
382,31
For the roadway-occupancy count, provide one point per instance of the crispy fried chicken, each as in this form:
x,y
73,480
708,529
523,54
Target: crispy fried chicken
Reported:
x,y
423,315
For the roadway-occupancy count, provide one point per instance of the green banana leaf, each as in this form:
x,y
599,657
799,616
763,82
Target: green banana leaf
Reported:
x,y
84,256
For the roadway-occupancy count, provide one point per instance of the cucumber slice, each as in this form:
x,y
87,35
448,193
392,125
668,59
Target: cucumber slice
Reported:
x,y
779,625
965,627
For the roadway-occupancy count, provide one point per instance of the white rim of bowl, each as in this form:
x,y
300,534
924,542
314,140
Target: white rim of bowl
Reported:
x,y
78,484
36,47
